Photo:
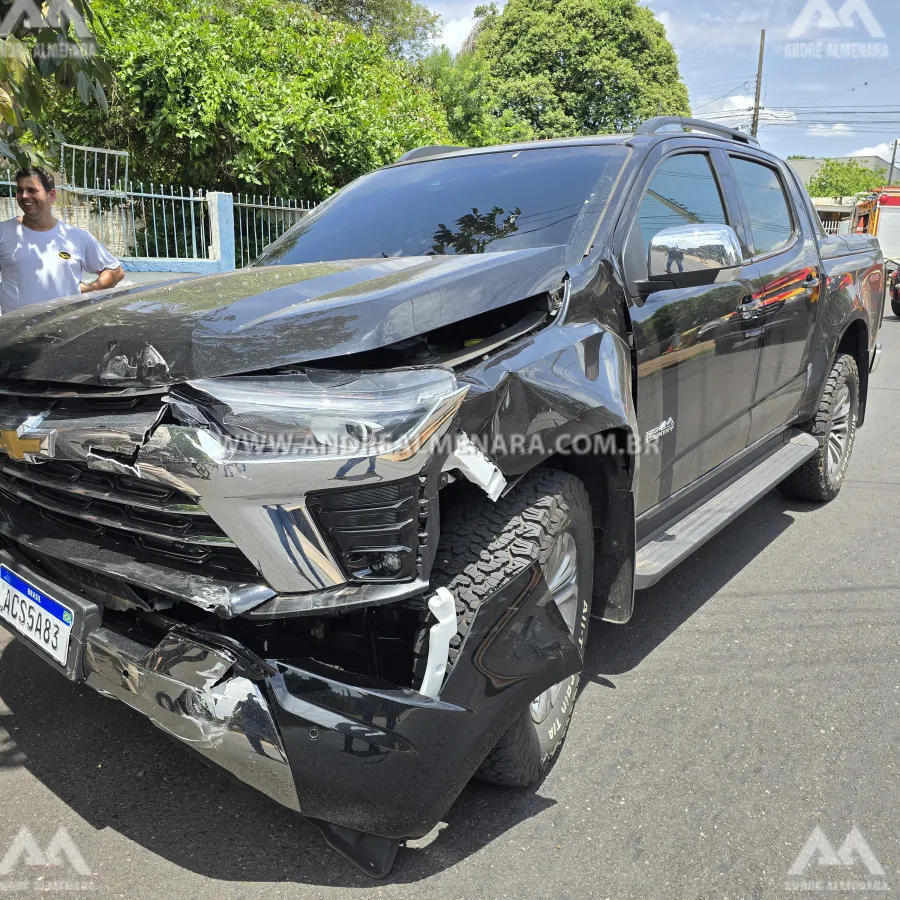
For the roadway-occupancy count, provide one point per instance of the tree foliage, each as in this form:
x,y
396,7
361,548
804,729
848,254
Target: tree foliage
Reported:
x,y
475,231
844,179
551,68
235,93
467,92
53,44
407,26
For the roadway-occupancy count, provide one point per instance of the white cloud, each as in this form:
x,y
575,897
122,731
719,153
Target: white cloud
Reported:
x,y
839,129
883,150
456,31
736,111
732,103
733,111
732,24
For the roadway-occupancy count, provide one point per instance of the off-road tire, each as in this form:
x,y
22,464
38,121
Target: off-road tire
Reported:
x,y
484,545
895,304
813,481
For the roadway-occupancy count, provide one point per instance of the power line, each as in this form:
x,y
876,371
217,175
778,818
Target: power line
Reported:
x,y
728,93
864,84
855,106
723,80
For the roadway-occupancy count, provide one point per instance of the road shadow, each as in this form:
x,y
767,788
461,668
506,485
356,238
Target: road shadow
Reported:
x,y
115,770
660,610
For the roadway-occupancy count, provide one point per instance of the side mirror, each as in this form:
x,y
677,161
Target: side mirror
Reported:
x,y
693,248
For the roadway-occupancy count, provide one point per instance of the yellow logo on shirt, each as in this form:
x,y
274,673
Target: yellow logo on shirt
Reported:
x,y
64,255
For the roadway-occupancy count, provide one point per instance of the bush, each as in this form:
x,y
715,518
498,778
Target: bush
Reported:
x,y
228,94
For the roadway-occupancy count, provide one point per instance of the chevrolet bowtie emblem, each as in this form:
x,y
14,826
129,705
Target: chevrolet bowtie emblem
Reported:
x,y
29,440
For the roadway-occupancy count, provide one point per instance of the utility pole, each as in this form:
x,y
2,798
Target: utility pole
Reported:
x,y
893,160
762,49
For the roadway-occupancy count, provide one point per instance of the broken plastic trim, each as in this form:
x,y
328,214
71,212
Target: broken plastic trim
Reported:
x,y
374,855
443,607
475,466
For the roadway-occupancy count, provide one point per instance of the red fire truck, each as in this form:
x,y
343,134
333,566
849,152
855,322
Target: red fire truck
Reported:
x,y
879,214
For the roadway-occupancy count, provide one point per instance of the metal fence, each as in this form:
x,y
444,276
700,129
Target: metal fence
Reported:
x,y
128,219
169,222
260,220
90,166
153,221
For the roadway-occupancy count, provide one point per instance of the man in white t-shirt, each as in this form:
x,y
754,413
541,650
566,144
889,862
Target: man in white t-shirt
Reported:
x,y
42,258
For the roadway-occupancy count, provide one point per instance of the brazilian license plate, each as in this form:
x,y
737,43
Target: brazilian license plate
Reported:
x,y
35,615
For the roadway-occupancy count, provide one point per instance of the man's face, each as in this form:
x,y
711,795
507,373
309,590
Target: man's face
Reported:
x,y
33,200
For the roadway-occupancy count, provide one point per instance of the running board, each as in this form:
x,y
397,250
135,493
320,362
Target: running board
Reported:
x,y
666,548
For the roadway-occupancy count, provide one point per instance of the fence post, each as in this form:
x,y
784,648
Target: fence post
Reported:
x,y
221,229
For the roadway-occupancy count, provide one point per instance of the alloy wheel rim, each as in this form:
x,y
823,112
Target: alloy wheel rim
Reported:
x,y
839,433
561,574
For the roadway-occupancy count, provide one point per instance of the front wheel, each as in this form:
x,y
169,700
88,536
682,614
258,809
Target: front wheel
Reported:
x,y
820,478
895,304
484,545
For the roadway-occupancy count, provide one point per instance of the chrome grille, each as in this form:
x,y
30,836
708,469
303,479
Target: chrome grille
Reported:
x,y
159,520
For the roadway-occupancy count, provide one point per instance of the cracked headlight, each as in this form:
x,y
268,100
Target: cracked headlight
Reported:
x,y
324,413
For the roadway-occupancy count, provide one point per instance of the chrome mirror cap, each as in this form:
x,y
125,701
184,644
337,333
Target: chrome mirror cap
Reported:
x,y
693,248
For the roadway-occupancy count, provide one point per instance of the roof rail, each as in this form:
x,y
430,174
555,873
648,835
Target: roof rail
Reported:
x,y
653,126
424,152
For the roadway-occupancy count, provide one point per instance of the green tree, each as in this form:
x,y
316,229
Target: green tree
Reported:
x,y
407,26
568,67
58,49
467,93
844,179
235,93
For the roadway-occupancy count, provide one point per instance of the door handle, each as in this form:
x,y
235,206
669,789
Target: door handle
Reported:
x,y
810,285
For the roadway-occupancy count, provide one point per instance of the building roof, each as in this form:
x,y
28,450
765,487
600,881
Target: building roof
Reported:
x,y
806,168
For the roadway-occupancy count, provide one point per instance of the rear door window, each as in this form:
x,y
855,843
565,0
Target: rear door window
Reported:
x,y
771,225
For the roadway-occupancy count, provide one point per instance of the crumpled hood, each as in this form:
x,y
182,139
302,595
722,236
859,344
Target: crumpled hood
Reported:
x,y
261,318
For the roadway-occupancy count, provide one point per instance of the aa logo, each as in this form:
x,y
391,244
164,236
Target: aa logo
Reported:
x,y
821,14
819,849
26,851
57,14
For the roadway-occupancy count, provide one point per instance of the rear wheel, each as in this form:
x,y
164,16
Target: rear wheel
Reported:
x,y
820,478
895,304
484,545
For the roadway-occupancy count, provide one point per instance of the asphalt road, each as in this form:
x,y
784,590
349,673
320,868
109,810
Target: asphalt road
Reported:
x,y
753,698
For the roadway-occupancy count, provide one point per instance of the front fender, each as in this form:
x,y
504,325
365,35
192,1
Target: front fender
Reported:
x,y
568,391
561,386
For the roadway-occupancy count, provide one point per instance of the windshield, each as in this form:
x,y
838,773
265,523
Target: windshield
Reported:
x,y
483,203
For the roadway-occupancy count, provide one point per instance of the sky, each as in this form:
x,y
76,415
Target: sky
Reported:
x,y
831,70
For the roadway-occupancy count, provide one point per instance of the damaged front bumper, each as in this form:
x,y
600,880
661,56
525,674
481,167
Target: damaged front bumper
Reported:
x,y
371,764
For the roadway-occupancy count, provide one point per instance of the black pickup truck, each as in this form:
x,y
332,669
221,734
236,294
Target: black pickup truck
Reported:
x,y
339,521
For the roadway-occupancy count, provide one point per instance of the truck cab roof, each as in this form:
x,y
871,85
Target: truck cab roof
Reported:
x,y
647,133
